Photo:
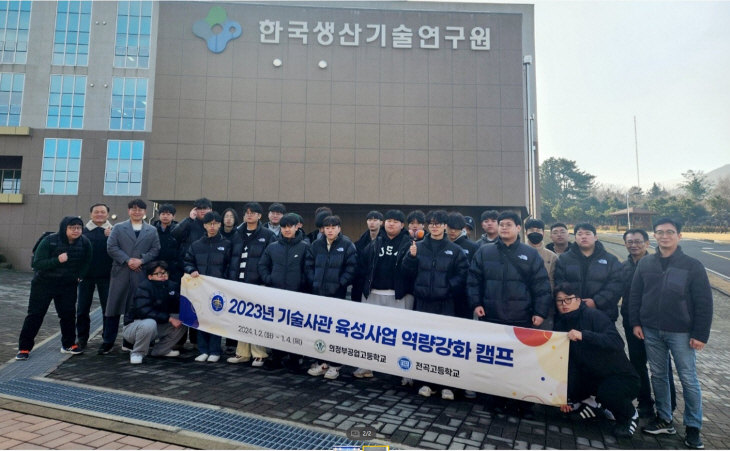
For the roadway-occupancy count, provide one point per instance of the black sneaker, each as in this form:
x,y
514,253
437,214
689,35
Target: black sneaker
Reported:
x,y
692,438
22,355
73,349
658,426
627,430
586,412
105,348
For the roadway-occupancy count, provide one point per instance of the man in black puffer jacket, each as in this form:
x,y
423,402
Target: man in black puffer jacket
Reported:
x,y
458,236
282,264
191,229
151,316
375,224
168,244
59,262
596,274
597,364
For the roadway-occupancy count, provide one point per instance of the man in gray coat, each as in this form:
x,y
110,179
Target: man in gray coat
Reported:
x,y
132,244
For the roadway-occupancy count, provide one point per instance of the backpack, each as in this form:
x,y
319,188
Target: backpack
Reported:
x,y
38,243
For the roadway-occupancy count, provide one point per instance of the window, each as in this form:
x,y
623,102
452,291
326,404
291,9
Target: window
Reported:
x,y
129,104
10,174
123,175
134,24
14,25
71,39
11,98
66,101
61,162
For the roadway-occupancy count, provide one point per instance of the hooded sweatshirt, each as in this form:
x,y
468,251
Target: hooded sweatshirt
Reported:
x,y
45,261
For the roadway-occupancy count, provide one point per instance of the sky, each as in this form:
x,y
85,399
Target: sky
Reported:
x,y
600,63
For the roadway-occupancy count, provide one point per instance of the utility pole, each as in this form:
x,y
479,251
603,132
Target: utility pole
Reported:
x,y
636,145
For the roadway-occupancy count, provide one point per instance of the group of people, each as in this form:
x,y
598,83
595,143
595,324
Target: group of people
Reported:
x,y
423,262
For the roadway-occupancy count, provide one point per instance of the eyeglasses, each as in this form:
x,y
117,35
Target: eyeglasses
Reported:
x,y
251,213
566,301
435,224
161,274
665,232
637,242
137,210
75,228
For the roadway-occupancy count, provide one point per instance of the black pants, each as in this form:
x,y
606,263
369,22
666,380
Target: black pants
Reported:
x,y
42,293
83,306
637,356
615,393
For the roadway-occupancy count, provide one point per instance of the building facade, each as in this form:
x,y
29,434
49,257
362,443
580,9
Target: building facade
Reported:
x,y
354,105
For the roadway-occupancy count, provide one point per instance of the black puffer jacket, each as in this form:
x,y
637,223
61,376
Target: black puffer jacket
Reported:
x,y
211,257
678,299
186,233
598,277
600,353
282,265
510,283
470,247
168,244
439,269
368,260
330,272
255,245
45,260
629,267
154,300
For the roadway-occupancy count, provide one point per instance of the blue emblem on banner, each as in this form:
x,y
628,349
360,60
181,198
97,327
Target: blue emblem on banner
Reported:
x,y
217,302
405,363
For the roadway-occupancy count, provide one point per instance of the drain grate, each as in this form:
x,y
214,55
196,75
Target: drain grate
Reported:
x,y
227,425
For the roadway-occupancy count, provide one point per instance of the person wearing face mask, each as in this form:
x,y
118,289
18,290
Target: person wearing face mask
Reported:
x,y
535,232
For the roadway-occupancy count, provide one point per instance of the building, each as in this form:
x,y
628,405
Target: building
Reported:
x,y
355,105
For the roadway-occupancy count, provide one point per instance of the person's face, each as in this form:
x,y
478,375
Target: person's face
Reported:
x,y
160,275
228,219
374,224
415,225
166,218
212,227
508,230
136,213
251,217
202,211
667,237
559,235
73,232
636,245
453,233
393,227
436,230
331,232
99,215
490,226
289,231
566,303
275,217
586,239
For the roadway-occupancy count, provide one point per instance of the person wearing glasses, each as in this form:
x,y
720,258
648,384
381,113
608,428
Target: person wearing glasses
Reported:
x,y
132,244
560,238
61,260
597,365
151,317
670,308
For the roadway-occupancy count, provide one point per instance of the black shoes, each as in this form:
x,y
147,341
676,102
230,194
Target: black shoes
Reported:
x,y
105,348
692,438
658,426
627,430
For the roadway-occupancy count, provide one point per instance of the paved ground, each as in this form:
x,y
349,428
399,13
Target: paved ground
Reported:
x,y
398,413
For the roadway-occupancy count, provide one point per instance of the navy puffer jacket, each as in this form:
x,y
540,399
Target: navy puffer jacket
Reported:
x,y
210,257
330,272
282,265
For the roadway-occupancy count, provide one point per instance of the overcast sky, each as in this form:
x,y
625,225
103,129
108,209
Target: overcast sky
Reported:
x,y
600,63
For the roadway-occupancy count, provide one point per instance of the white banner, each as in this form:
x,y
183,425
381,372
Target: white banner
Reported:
x,y
513,362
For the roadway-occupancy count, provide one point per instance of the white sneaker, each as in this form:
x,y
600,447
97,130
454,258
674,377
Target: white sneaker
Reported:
x,y
238,359
257,362
213,358
318,369
201,358
426,391
362,372
171,353
135,359
447,394
332,373
406,381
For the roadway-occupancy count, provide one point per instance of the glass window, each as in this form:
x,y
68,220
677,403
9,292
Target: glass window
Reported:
x,y
61,164
14,26
73,23
132,47
11,98
66,101
10,181
129,104
123,174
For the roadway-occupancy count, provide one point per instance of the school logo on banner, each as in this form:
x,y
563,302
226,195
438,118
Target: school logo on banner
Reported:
x,y
217,303
404,363
320,346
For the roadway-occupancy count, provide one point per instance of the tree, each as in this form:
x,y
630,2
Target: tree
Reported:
x,y
562,182
657,191
719,201
696,184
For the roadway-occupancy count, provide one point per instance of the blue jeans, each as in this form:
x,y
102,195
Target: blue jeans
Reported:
x,y
208,343
658,346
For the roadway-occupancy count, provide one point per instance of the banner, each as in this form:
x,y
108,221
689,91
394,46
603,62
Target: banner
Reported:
x,y
513,362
